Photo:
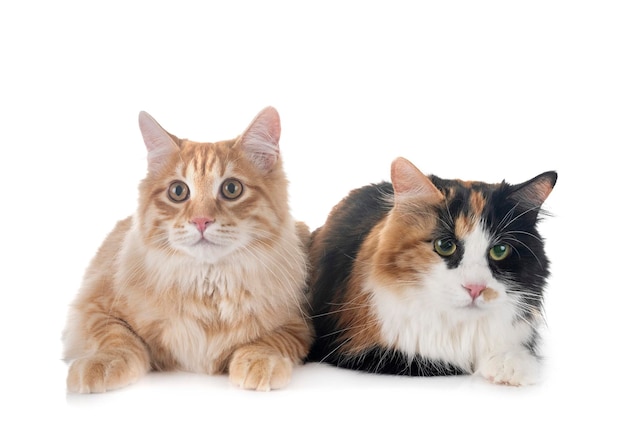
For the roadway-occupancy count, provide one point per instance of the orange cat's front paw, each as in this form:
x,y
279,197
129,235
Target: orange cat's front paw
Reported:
x,y
102,372
251,368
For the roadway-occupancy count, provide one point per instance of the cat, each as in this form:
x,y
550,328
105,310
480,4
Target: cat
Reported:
x,y
428,277
207,276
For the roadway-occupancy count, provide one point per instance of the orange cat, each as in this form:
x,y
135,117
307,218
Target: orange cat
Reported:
x,y
207,276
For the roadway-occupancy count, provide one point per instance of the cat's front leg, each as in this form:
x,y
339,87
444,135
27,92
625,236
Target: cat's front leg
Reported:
x,y
120,360
516,368
267,363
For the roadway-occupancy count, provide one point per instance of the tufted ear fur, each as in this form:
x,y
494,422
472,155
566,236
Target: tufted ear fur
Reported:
x,y
260,140
533,193
159,142
408,181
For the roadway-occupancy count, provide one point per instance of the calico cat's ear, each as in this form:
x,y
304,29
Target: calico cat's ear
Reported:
x,y
159,142
260,140
408,181
533,193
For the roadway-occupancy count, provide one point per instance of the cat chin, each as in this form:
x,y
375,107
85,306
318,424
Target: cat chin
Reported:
x,y
211,256
206,252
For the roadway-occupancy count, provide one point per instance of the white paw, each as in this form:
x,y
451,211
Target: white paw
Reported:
x,y
511,368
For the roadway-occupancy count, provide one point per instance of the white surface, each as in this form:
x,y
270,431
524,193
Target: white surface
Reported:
x,y
478,90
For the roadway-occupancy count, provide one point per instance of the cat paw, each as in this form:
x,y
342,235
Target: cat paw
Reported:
x,y
254,368
515,369
102,372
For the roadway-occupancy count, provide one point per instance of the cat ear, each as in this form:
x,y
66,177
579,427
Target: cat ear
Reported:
x,y
260,140
533,193
159,143
408,181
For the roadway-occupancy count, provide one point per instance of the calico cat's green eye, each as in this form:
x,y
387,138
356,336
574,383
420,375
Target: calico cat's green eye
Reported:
x,y
178,191
499,252
445,247
232,189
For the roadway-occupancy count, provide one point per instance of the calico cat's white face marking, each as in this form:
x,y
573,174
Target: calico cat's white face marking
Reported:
x,y
451,307
472,285
466,291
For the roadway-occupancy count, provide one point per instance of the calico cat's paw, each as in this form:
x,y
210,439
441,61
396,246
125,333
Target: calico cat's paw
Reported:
x,y
102,372
515,369
256,368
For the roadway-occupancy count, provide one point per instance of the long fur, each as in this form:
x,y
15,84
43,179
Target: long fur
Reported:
x,y
222,296
385,301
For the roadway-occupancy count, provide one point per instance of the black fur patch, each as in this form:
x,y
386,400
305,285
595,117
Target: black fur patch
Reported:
x,y
385,361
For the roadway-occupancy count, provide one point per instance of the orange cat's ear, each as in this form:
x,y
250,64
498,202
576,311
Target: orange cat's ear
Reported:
x,y
260,140
159,143
408,181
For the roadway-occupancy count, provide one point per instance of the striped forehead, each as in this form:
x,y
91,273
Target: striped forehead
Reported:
x,y
203,167
202,159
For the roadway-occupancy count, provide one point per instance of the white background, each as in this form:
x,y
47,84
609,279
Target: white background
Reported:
x,y
476,90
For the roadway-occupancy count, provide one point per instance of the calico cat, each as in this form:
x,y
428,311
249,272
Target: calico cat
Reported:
x,y
426,277
207,276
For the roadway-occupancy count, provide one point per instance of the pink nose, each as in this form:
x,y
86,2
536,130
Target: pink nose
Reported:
x,y
202,223
474,289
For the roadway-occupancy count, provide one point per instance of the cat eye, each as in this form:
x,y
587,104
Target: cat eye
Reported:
x,y
178,191
445,247
232,189
499,252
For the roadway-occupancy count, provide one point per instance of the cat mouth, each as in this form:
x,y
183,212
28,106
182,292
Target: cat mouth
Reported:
x,y
203,242
473,306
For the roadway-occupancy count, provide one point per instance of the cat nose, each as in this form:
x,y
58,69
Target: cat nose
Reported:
x,y
474,289
202,223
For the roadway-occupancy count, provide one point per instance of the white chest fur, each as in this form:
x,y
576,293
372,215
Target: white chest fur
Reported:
x,y
461,337
204,311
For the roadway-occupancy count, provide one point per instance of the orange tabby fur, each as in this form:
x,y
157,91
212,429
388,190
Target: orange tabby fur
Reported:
x,y
146,303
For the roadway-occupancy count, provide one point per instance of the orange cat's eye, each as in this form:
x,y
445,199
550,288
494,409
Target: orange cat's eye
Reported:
x,y
232,189
178,191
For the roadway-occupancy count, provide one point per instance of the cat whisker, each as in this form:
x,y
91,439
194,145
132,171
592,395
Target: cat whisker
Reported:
x,y
347,340
522,232
450,223
349,307
355,327
527,311
532,209
354,304
334,350
293,257
506,219
272,265
518,241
